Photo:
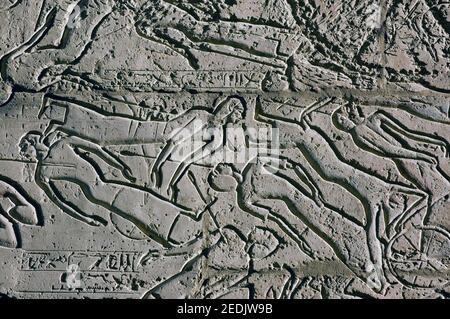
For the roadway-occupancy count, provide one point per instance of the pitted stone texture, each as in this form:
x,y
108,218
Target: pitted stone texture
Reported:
x,y
417,44
224,149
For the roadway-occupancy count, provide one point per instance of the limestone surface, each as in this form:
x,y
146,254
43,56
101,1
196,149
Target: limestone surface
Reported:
x,y
224,149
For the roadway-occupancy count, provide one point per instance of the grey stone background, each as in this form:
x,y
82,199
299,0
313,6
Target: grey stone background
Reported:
x,y
101,194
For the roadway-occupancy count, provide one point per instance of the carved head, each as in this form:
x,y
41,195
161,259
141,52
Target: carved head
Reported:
x,y
348,117
231,111
224,178
31,146
237,111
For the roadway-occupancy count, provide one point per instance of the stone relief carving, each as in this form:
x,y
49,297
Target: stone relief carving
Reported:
x,y
224,149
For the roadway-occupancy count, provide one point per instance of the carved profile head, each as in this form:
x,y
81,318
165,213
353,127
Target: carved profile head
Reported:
x,y
224,178
31,146
348,116
230,111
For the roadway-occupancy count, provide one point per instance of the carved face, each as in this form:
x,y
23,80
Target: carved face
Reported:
x,y
349,116
342,119
222,179
236,111
28,148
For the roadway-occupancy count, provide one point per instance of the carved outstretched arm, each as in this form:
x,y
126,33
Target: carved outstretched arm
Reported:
x,y
177,139
254,209
52,192
206,151
381,146
388,122
82,144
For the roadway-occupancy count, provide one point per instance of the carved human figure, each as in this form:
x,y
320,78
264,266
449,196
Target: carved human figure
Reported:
x,y
415,154
192,282
63,34
417,157
242,237
65,161
67,28
196,141
262,236
132,129
373,193
192,136
302,202
226,276
213,27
